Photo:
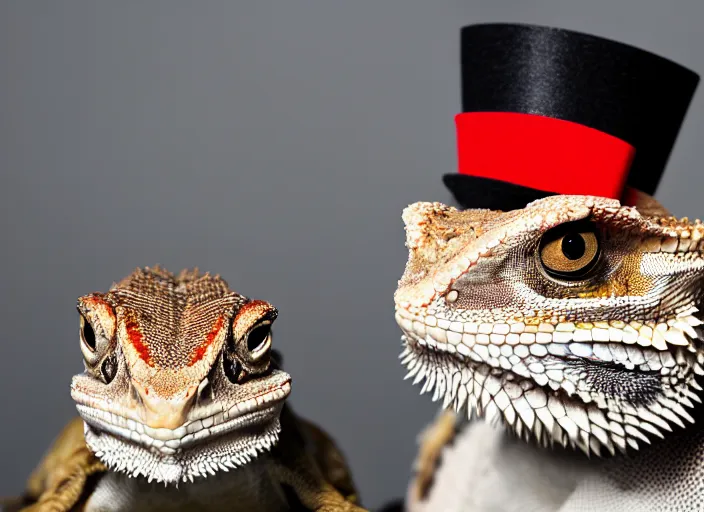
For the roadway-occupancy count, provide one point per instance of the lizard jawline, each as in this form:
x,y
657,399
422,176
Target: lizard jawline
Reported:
x,y
190,451
533,411
228,451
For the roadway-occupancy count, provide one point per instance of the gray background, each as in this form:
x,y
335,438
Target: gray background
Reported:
x,y
275,143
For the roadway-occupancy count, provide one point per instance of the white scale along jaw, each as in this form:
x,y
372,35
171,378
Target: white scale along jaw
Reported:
x,y
573,321
179,380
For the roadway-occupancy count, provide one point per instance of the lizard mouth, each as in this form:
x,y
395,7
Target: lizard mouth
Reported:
x,y
591,395
214,438
256,410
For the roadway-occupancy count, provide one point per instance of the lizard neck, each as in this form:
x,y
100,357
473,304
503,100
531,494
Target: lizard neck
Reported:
x,y
246,488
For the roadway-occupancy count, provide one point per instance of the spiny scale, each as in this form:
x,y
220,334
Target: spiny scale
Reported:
x,y
537,413
135,461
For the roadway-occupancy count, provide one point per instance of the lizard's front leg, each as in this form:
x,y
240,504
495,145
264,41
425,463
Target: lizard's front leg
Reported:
x,y
300,472
60,479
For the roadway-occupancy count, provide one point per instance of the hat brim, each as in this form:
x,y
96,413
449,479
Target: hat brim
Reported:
x,y
475,192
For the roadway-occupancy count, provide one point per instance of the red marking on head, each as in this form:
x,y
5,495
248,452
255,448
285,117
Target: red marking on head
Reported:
x,y
255,306
94,300
200,350
137,339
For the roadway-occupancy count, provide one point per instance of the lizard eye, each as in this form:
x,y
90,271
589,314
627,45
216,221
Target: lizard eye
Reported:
x,y
94,346
570,251
259,340
87,334
247,351
97,336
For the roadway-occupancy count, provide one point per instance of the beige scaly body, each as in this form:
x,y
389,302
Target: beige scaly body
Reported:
x,y
573,327
182,408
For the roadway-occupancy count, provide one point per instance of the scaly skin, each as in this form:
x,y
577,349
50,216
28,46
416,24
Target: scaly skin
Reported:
x,y
600,360
180,388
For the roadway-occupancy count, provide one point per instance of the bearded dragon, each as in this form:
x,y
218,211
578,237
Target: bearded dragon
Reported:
x,y
564,341
182,407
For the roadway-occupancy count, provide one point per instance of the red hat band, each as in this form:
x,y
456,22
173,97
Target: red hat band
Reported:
x,y
542,152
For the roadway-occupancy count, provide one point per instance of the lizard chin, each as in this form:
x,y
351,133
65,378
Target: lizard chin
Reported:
x,y
223,453
551,395
211,440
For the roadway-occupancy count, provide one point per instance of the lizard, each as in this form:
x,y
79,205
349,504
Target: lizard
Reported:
x,y
564,341
182,406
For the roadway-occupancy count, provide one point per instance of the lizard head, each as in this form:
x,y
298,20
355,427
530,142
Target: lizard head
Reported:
x,y
573,321
179,380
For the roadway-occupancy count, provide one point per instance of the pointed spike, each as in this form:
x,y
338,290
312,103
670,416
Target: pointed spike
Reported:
x,y
619,442
684,400
447,400
411,373
519,428
420,376
644,425
438,389
595,446
426,386
675,337
473,405
432,375
686,328
633,431
682,412
692,396
671,417
648,416
582,441
461,398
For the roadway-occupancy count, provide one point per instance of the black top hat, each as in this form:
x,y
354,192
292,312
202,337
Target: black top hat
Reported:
x,y
550,111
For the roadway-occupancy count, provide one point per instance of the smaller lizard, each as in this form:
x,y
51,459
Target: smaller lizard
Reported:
x,y
182,407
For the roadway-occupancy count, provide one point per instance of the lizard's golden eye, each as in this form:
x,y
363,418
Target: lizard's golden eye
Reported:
x,y
570,251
